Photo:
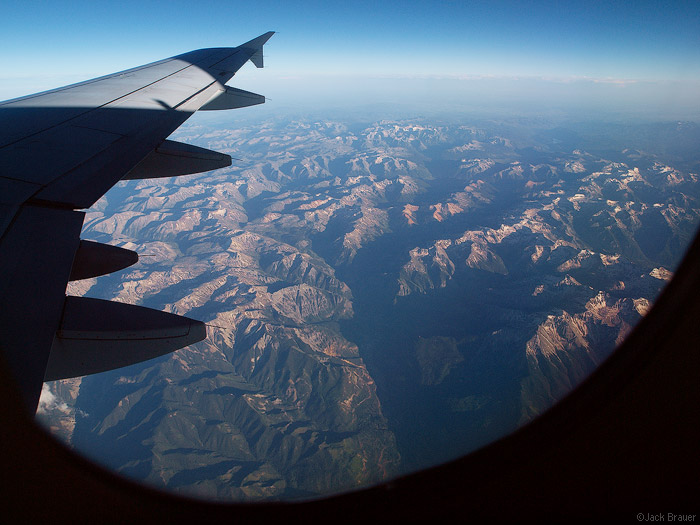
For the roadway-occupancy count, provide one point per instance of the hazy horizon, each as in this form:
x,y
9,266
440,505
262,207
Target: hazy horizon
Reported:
x,y
635,59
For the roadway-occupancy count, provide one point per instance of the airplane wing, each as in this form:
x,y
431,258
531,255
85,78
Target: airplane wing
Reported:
x,y
60,151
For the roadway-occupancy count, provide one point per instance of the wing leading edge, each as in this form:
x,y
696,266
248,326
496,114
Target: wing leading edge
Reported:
x,y
60,151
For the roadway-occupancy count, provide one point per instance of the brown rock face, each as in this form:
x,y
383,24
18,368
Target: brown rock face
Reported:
x,y
566,348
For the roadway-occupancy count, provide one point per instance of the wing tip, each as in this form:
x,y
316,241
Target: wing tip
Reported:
x,y
259,41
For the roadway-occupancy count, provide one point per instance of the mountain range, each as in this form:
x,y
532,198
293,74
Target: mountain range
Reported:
x,y
381,296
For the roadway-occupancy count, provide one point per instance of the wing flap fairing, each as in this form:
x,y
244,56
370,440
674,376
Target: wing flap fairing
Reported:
x,y
97,335
172,159
233,98
93,259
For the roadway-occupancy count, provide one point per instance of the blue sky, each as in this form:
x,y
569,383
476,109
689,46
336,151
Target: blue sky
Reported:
x,y
45,44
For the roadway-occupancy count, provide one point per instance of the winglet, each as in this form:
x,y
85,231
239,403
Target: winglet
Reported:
x,y
257,45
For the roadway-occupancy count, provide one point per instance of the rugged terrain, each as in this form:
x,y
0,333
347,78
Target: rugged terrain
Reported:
x,y
381,296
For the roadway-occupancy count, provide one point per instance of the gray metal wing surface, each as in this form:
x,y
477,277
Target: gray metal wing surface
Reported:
x,y
60,151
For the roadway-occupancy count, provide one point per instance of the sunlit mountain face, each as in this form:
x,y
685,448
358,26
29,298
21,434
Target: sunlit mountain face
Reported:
x,y
383,293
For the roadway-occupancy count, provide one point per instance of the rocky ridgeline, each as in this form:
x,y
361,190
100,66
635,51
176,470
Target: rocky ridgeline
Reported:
x,y
585,227
566,348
